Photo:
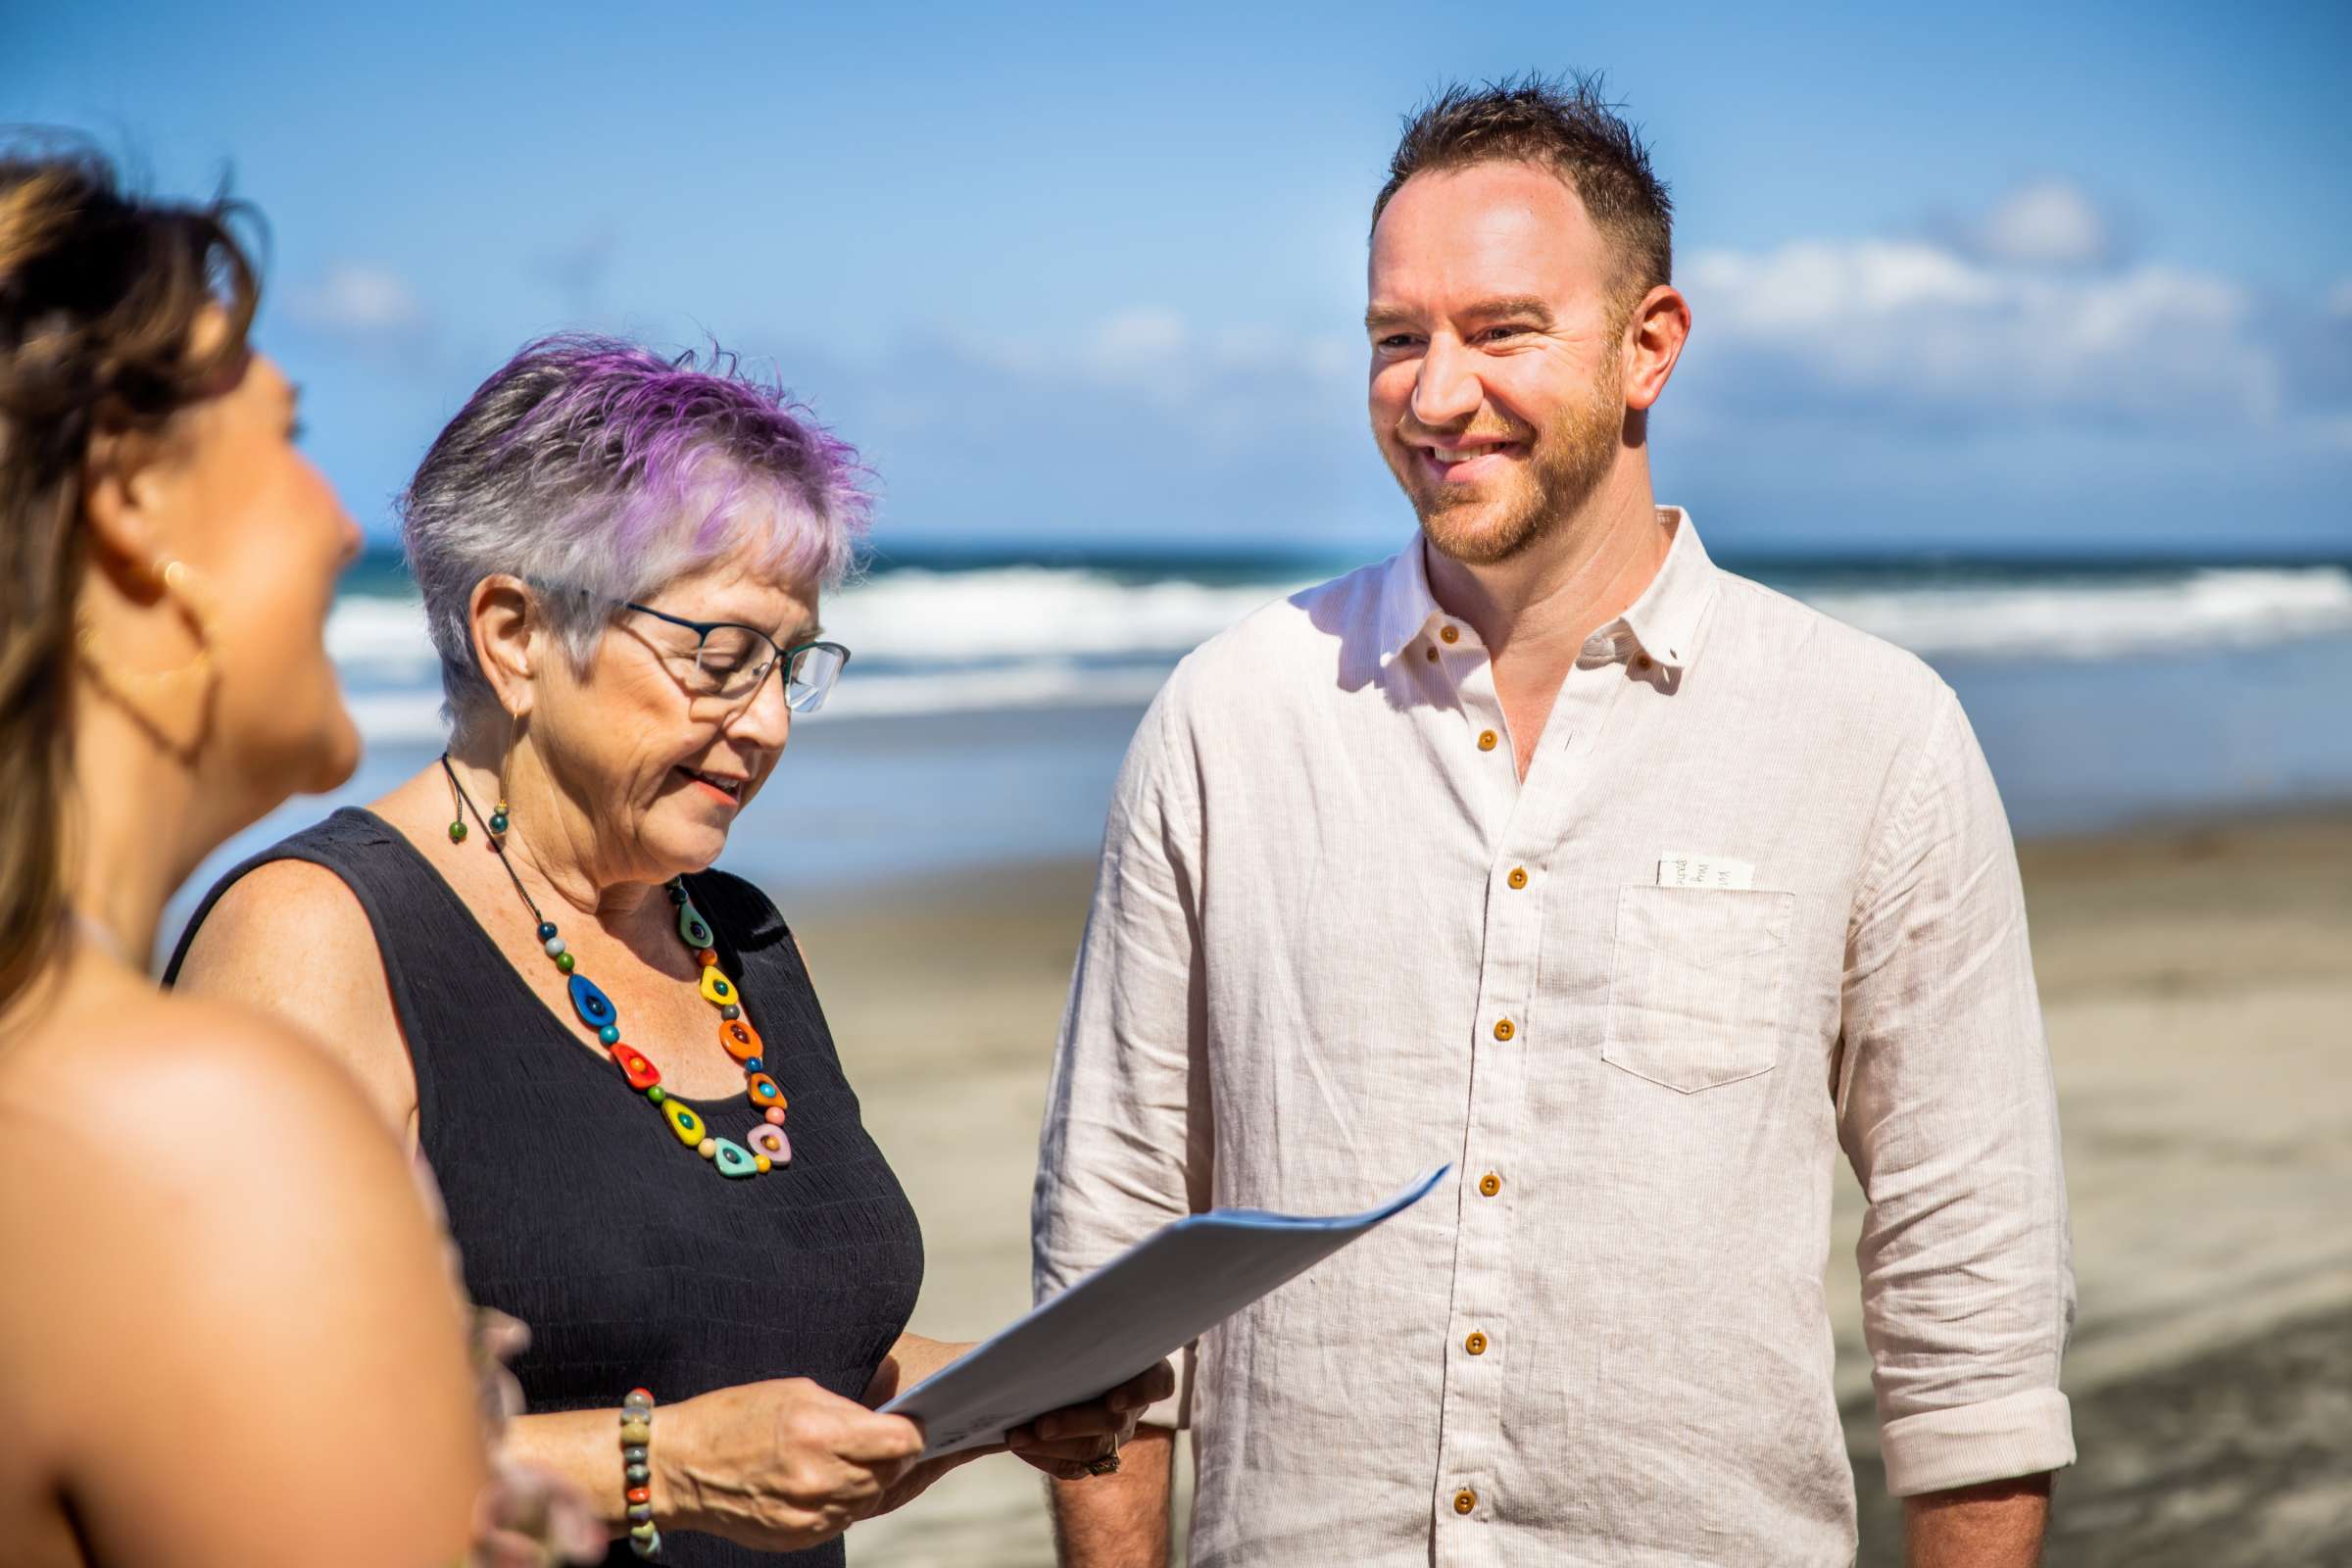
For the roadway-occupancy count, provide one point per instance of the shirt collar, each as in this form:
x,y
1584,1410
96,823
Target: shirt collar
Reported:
x,y
1406,606
1664,620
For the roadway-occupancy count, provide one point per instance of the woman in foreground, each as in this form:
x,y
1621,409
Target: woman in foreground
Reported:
x,y
612,1055
228,1332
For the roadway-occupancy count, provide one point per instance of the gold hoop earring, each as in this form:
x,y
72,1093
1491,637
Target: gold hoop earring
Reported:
x,y
137,690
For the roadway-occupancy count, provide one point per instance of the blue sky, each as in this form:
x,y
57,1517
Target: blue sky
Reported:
x,y
1983,278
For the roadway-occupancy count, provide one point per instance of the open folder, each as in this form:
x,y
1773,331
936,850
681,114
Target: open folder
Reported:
x,y
1147,1303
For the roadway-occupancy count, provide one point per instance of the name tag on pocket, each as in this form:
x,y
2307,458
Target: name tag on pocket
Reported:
x,y
1686,870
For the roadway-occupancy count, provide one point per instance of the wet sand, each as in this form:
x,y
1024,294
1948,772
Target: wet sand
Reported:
x,y
2197,984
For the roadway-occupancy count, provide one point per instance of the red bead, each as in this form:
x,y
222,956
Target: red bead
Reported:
x,y
639,1495
641,1073
706,958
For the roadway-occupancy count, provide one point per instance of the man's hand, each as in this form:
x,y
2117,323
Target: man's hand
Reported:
x,y
1996,1525
1119,1520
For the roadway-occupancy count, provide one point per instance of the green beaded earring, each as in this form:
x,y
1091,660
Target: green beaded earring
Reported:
x,y
497,813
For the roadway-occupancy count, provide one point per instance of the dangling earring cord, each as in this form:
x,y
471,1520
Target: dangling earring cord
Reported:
x,y
497,816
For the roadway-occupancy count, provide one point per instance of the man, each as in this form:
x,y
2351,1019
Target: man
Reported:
x,y
1634,889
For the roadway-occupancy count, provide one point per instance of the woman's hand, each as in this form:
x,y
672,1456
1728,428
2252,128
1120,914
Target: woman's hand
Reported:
x,y
1062,1442
775,1466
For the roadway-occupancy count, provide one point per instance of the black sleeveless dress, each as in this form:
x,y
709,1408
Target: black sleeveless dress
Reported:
x,y
577,1209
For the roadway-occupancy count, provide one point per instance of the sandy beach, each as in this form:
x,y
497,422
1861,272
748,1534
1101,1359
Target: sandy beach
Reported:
x,y
2197,984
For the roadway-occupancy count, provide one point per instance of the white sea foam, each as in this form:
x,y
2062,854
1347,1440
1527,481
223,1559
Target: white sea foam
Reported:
x,y
2084,619
1024,637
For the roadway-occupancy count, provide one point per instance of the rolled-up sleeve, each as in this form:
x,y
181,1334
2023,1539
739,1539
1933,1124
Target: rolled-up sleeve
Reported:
x,y
1947,1110
1126,1143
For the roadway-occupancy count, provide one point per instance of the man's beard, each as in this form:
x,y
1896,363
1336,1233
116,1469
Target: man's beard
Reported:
x,y
1566,463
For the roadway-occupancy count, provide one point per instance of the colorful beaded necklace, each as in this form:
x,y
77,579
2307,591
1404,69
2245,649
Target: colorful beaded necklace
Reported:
x,y
769,1147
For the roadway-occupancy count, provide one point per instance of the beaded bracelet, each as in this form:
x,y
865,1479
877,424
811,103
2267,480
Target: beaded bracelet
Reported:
x,y
636,1443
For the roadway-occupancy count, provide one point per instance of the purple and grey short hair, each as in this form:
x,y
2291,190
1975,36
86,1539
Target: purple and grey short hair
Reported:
x,y
596,464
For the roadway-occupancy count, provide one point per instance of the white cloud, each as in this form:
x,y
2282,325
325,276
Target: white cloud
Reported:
x,y
360,300
1916,326
2049,222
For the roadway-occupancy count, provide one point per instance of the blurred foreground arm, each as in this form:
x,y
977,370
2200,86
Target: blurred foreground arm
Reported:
x,y
1946,1109
1127,1144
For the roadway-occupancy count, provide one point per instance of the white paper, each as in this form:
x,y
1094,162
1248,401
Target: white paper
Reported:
x,y
1683,869
1144,1306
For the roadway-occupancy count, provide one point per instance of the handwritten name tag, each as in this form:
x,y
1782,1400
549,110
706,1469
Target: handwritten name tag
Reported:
x,y
1687,870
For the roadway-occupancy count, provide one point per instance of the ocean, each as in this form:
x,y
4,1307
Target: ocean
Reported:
x,y
993,692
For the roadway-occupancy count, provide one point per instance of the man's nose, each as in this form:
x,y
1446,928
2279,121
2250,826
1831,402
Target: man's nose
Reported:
x,y
1446,391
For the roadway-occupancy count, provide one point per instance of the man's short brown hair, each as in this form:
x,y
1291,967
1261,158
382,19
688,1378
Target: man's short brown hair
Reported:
x,y
1563,125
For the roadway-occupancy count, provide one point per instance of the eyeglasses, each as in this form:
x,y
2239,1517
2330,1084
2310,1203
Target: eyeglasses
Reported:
x,y
731,661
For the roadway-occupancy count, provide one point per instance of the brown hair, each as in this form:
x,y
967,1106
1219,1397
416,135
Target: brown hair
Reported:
x,y
100,294
1565,126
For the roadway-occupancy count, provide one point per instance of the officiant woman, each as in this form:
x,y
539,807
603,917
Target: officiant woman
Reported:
x,y
612,1054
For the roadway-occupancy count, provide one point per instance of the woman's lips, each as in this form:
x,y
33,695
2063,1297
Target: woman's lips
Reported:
x,y
717,786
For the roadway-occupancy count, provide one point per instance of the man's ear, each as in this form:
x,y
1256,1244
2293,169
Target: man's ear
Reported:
x,y
1654,337
509,638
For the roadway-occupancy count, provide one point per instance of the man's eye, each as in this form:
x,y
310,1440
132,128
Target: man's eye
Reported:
x,y
1493,332
1399,340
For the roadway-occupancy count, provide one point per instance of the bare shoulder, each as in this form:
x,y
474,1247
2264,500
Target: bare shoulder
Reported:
x,y
291,939
228,1071
279,911
207,1189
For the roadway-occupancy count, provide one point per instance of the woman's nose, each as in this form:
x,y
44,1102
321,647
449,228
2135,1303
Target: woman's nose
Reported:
x,y
765,720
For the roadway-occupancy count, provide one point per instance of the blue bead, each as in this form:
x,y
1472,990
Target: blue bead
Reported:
x,y
498,824
547,930
751,1065
609,1034
677,893
595,1009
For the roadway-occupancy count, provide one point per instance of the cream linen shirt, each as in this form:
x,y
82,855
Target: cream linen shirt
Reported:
x,y
1336,939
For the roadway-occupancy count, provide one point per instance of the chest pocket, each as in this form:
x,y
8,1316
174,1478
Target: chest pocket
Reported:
x,y
1696,984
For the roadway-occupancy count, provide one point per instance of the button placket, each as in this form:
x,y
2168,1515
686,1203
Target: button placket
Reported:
x,y
1471,1458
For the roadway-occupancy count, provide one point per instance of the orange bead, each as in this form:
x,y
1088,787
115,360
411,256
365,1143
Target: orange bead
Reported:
x,y
764,1089
706,958
640,1494
741,1040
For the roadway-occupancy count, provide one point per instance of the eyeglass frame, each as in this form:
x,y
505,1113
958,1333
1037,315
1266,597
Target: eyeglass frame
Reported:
x,y
784,655
703,629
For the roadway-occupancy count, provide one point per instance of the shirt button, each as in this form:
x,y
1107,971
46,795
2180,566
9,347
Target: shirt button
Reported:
x,y
1642,662
1503,1029
1489,1185
1433,653
1476,1344
1449,634
1464,1500
1486,740
1518,877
